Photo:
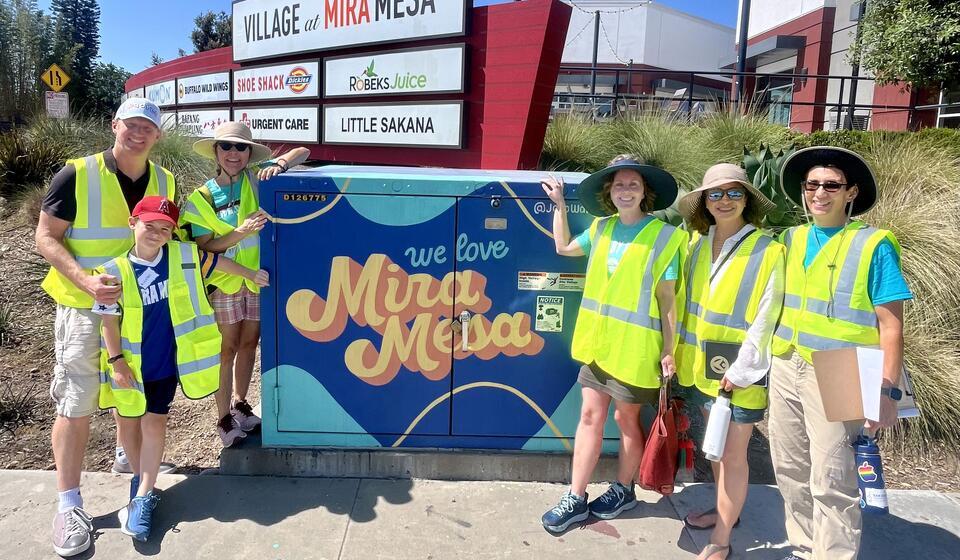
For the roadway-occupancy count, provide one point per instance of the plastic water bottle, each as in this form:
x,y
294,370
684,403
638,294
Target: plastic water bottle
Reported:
x,y
873,491
715,438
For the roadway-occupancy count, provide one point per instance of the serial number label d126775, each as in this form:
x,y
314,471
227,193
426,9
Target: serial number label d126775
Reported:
x,y
304,197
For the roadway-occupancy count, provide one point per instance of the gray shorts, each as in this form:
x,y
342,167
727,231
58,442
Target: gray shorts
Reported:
x,y
75,387
594,377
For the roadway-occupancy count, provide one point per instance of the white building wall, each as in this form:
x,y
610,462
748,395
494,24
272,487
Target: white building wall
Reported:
x,y
767,14
648,34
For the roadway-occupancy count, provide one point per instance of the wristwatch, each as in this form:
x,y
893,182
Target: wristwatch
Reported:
x,y
114,359
892,392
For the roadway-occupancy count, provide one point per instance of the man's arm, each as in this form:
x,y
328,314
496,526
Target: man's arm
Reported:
x,y
49,239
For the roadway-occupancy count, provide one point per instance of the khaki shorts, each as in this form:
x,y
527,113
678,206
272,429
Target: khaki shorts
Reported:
x,y
76,376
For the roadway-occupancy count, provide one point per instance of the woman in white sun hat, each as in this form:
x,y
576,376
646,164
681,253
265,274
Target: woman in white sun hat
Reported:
x,y
224,216
734,282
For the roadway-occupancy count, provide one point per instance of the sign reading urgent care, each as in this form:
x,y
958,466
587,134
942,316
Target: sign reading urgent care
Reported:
x,y
208,88
433,125
162,94
281,124
296,80
201,123
264,28
430,70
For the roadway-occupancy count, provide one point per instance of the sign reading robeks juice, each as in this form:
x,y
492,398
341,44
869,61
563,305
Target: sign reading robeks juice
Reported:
x,y
263,28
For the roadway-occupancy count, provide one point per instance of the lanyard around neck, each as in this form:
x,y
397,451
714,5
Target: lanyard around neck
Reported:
x,y
726,256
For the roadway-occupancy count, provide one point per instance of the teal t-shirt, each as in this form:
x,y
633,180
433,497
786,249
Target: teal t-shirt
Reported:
x,y
623,236
886,282
226,199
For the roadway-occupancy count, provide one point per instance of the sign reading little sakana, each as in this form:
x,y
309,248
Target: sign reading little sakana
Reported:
x,y
432,70
208,88
264,28
162,94
434,125
281,124
201,123
296,80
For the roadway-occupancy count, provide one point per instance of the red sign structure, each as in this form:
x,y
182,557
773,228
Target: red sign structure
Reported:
x,y
513,54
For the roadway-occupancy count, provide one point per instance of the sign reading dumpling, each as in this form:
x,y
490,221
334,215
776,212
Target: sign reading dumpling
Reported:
x,y
168,120
202,123
432,70
435,125
281,124
284,81
208,88
264,28
162,94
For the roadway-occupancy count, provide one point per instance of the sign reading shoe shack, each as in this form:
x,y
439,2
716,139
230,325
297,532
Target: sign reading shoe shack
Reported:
x,y
297,80
266,28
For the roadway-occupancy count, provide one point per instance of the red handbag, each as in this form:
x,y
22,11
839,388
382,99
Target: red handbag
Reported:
x,y
658,467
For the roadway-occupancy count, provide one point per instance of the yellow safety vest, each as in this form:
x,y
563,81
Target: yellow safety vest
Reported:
x,y
101,229
195,329
199,210
618,325
827,305
724,312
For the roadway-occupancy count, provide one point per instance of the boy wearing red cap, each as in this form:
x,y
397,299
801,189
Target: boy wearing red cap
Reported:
x,y
161,332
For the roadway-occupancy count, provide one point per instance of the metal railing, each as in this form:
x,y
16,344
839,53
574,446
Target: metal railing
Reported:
x,y
719,88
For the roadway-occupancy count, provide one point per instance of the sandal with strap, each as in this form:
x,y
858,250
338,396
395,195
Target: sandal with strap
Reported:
x,y
712,549
712,511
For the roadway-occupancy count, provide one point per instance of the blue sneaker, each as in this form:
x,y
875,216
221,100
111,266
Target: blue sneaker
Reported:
x,y
135,519
571,509
616,500
134,486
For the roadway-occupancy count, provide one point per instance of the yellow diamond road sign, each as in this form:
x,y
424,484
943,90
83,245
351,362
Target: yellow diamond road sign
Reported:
x,y
55,78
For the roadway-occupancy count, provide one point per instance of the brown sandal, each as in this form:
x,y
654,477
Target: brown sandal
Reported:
x,y
712,511
712,549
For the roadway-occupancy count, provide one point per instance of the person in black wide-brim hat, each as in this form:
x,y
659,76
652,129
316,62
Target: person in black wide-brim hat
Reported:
x,y
844,288
626,328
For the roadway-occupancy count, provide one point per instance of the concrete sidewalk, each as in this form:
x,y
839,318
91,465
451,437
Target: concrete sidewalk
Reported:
x,y
220,517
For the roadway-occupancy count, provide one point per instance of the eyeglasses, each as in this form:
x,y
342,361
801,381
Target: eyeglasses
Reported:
x,y
829,186
227,146
732,194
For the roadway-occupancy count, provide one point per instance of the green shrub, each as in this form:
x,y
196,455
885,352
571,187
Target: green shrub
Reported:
x,y
730,133
572,144
24,162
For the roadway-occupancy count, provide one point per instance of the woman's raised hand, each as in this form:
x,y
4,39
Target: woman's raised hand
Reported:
x,y
553,186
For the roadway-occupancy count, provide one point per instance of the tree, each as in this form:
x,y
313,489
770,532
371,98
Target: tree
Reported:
x,y
155,59
912,41
77,43
214,30
24,54
106,87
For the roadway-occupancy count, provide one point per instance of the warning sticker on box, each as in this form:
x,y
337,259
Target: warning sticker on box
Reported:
x,y
551,281
549,314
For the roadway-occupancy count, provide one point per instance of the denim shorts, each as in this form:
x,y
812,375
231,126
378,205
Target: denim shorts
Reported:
x,y
740,415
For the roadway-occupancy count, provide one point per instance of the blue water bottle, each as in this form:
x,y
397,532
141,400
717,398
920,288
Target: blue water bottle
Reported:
x,y
873,492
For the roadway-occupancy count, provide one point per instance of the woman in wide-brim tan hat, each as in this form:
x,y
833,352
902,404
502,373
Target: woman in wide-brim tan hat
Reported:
x,y
735,278
224,216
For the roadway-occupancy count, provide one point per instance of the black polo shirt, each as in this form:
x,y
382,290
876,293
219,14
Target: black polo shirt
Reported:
x,y
61,198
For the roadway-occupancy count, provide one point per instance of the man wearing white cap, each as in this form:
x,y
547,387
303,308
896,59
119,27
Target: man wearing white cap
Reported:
x,y
84,224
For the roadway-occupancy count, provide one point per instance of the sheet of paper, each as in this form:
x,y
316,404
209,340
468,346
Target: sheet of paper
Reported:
x,y
870,362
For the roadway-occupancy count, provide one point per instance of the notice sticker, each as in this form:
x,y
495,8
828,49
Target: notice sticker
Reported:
x,y
549,314
551,281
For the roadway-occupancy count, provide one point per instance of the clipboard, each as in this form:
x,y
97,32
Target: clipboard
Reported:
x,y
719,357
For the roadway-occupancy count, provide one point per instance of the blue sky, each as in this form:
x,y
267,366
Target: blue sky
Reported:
x,y
127,39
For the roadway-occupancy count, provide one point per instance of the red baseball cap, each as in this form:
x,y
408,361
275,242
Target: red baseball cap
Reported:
x,y
152,208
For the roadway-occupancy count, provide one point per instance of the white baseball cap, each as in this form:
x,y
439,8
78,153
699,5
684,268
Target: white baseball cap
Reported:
x,y
139,107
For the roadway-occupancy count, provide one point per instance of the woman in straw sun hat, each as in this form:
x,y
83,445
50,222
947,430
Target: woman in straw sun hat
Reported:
x,y
844,288
635,261
734,282
225,217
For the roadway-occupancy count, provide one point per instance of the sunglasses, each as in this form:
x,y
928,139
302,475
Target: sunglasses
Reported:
x,y
829,186
227,146
732,194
